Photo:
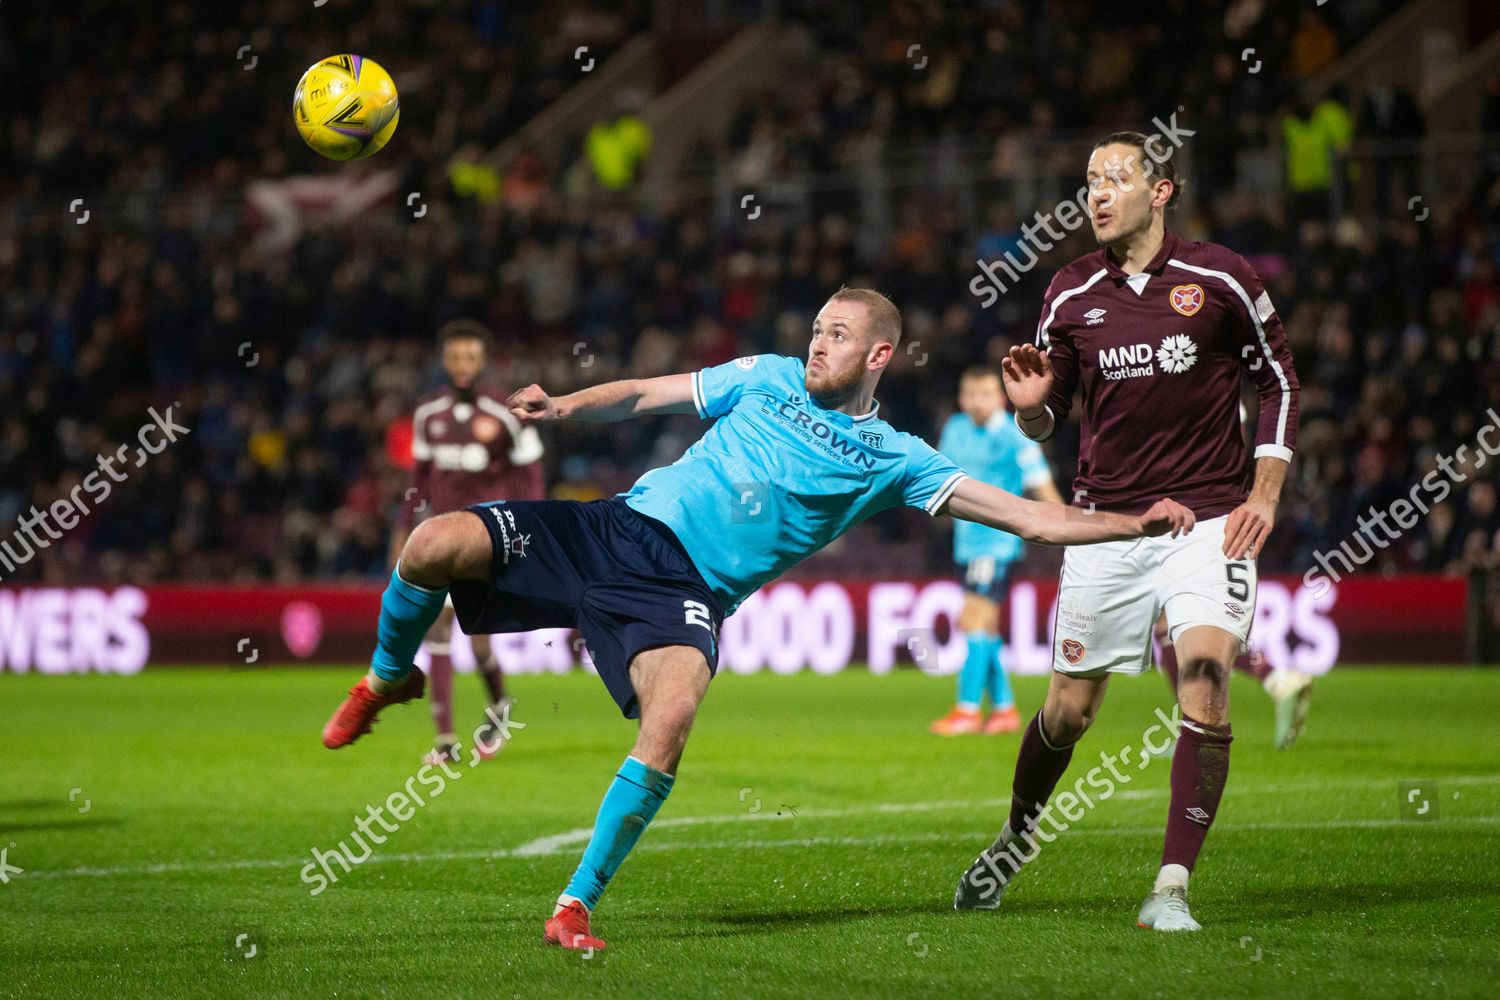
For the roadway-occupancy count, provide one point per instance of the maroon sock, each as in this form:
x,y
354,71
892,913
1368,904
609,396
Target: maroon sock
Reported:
x,y
494,680
440,676
1200,765
1169,663
1255,664
1038,768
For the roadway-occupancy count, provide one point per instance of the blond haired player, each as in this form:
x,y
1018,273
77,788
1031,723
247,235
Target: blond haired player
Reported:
x,y
797,455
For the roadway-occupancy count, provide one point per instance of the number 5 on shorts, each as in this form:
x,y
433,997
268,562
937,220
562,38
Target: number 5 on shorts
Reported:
x,y
1239,587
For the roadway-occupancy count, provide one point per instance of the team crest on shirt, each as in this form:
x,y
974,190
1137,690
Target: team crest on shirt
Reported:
x,y
1072,650
486,429
1186,299
747,363
871,438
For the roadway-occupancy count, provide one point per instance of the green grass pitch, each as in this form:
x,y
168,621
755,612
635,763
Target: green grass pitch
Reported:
x,y
809,849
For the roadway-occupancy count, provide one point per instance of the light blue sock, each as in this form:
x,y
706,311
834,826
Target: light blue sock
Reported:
x,y
971,679
999,680
632,800
406,613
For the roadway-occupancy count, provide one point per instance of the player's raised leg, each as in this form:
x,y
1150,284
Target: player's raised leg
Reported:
x,y
1200,766
670,682
440,551
1046,748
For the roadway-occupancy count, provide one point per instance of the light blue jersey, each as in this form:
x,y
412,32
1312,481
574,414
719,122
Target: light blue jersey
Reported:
x,y
999,454
777,476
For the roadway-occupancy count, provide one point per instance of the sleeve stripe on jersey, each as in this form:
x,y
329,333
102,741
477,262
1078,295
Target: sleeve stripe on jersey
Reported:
x,y
1274,451
697,381
944,492
420,449
1260,333
1042,340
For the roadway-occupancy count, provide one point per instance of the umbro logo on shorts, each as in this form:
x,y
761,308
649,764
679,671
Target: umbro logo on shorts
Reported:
x,y
1072,650
1235,611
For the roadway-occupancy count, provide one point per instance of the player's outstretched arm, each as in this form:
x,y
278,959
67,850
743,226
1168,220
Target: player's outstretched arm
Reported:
x,y
632,397
1050,524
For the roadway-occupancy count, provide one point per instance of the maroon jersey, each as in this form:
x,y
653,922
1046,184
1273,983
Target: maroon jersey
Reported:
x,y
1159,357
468,452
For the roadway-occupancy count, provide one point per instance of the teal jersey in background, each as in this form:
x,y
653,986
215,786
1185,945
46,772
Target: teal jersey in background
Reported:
x,y
777,476
999,454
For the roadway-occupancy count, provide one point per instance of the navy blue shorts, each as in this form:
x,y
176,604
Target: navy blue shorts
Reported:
x,y
621,578
986,577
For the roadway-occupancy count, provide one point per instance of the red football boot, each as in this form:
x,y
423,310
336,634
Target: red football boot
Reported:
x,y
569,927
355,716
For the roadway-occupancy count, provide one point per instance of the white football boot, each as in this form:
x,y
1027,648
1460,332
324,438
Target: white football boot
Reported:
x,y
1167,910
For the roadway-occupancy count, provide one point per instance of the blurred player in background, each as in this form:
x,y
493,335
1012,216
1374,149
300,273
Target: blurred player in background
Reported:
x,y
1156,332
983,441
468,447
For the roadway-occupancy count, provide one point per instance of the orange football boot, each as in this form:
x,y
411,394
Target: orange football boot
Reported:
x,y
957,722
569,928
355,716
1002,720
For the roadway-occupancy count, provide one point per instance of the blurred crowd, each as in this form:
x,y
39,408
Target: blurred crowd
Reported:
x,y
296,361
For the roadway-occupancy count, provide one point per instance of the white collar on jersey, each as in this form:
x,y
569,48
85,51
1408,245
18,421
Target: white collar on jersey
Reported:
x,y
1137,282
874,409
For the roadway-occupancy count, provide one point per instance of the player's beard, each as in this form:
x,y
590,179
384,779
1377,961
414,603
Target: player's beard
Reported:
x,y
831,388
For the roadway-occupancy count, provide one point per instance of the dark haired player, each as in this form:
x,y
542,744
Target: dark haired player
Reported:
x,y
468,447
796,456
1157,332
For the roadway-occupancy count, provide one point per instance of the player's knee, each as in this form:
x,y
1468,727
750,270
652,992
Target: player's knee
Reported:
x,y
432,553
975,616
1068,726
675,714
1204,668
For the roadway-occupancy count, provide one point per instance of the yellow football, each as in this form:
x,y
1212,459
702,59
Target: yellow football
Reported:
x,y
346,107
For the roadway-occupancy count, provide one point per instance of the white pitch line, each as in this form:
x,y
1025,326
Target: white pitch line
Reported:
x,y
564,842
543,846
